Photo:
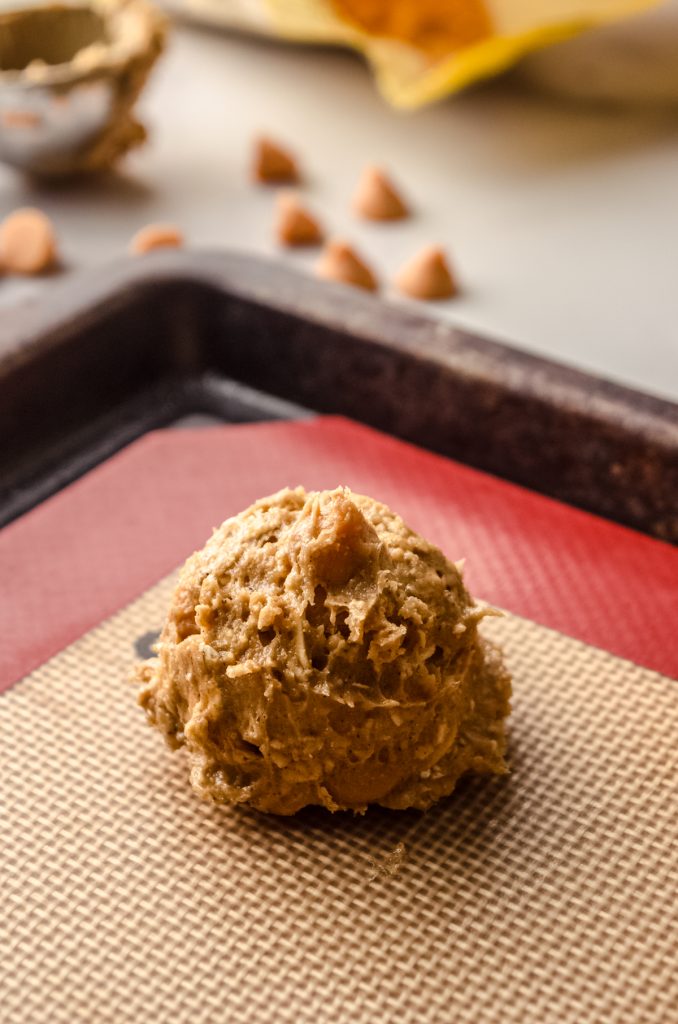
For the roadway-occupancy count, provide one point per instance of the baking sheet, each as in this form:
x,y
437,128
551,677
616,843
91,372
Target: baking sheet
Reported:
x,y
145,342
549,896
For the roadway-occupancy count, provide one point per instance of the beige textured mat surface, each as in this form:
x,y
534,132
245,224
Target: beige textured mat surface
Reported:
x,y
547,896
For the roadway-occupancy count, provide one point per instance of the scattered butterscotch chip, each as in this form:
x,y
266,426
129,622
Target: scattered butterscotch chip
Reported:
x,y
427,276
376,197
339,262
294,224
20,119
27,242
273,164
156,236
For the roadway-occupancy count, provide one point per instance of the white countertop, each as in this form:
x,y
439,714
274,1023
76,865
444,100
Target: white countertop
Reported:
x,y
562,220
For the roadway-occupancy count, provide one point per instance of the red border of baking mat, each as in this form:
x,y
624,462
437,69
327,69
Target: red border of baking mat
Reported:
x,y
93,547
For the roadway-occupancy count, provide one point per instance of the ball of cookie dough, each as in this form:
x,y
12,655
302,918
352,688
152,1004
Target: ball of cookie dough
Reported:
x,y
318,651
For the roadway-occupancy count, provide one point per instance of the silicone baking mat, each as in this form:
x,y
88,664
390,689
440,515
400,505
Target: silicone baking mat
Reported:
x,y
549,896
92,548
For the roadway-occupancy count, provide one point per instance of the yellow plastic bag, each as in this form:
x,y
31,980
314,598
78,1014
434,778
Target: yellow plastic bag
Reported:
x,y
423,49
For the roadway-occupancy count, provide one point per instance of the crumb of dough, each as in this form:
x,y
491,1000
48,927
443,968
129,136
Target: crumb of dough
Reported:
x,y
376,197
318,651
27,242
340,262
294,224
273,164
156,236
391,863
427,276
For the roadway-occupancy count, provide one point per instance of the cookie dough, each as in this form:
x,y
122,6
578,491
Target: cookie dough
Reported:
x,y
318,651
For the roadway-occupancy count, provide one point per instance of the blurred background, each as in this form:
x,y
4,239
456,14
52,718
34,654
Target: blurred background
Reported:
x,y
537,143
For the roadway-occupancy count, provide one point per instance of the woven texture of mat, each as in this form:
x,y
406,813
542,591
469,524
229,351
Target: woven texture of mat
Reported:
x,y
550,895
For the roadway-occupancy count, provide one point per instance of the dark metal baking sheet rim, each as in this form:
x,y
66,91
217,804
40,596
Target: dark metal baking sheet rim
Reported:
x,y
111,354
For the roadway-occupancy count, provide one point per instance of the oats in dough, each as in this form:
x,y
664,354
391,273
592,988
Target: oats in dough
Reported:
x,y
318,651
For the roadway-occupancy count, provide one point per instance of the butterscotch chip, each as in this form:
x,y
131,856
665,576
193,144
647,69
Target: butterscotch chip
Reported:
x,y
273,164
156,236
376,197
294,224
427,276
20,119
339,262
27,242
